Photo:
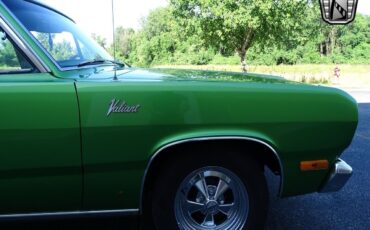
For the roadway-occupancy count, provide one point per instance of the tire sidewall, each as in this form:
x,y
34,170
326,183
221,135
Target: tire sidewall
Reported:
x,y
172,176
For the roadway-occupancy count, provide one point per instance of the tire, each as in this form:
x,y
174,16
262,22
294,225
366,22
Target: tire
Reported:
x,y
179,199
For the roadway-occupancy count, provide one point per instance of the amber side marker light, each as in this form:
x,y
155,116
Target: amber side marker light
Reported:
x,y
314,165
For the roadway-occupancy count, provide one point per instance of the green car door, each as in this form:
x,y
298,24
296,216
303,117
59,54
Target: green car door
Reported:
x,y
40,151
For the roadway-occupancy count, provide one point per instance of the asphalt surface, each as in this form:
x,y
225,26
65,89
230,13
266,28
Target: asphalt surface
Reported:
x,y
347,209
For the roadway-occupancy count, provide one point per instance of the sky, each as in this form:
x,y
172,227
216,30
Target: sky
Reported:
x,y
95,16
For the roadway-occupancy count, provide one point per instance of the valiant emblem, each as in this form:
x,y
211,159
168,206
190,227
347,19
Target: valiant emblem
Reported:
x,y
116,106
338,11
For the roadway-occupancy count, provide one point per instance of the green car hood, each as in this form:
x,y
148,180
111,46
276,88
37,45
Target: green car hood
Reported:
x,y
133,74
180,74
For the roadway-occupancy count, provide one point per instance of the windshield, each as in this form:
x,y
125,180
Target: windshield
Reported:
x,y
57,34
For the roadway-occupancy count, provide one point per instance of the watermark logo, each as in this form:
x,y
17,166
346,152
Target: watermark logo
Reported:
x,y
338,12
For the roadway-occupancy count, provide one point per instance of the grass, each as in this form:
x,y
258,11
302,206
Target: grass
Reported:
x,y
352,76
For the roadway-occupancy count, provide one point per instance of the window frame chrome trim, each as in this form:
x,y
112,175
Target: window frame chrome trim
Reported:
x,y
32,38
215,138
22,44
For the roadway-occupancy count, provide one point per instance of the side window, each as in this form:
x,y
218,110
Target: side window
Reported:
x,y
12,60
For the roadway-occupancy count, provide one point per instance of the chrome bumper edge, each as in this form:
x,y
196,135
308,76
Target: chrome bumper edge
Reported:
x,y
338,177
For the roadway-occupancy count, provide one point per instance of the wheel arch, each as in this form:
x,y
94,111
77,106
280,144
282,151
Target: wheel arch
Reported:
x,y
270,156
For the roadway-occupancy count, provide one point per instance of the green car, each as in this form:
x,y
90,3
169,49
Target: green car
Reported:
x,y
82,134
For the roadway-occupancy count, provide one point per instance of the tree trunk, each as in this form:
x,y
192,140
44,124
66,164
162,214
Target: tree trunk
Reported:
x,y
328,47
332,39
242,51
243,61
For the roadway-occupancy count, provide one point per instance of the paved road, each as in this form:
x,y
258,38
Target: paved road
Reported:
x,y
361,95
347,209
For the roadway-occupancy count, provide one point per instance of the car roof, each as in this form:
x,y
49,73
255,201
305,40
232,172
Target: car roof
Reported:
x,y
41,4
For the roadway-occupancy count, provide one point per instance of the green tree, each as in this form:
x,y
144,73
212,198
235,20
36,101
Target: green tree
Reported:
x,y
156,41
354,40
262,31
239,24
124,39
100,40
8,57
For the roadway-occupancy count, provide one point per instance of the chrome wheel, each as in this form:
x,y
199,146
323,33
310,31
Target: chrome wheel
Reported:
x,y
211,198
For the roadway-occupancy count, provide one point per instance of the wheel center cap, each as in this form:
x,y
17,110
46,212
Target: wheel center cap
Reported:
x,y
212,207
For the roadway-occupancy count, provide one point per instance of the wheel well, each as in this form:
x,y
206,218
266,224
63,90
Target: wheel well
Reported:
x,y
261,151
